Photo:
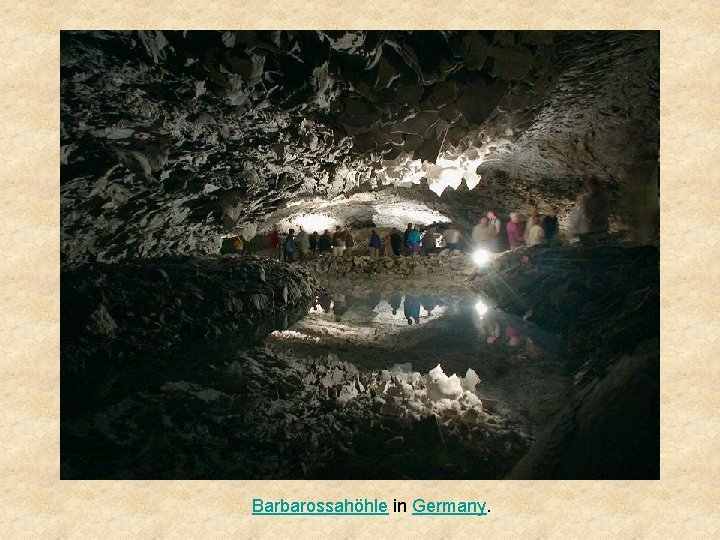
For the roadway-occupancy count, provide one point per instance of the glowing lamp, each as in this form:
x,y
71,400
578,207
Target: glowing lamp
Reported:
x,y
481,307
481,257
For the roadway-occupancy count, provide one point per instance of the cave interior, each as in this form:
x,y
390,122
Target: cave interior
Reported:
x,y
182,360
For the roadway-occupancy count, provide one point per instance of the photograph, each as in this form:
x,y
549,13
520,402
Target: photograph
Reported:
x,y
359,254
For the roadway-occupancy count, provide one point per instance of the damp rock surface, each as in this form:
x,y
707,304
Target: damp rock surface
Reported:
x,y
455,267
117,312
264,413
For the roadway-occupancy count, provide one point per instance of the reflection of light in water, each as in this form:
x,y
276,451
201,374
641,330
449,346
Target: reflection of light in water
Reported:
x,y
481,307
481,257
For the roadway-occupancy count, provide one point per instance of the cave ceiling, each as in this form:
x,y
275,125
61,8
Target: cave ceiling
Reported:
x,y
170,139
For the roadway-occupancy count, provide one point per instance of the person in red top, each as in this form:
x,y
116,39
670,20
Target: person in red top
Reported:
x,y
274,239
515,230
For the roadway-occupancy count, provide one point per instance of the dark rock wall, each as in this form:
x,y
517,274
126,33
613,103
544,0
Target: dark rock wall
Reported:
x,y
610,430
170,138
119,312
605,302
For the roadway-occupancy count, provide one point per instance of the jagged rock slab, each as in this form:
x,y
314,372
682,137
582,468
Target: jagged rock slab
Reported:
x,y
117,312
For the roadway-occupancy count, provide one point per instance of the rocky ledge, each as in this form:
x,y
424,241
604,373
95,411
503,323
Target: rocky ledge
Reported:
x,y
604,299
452,264
120,311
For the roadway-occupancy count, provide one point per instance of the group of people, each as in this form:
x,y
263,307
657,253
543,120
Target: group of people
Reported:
x,y
497,327
290,246
301,246
589,221
338,303
491,234
412,241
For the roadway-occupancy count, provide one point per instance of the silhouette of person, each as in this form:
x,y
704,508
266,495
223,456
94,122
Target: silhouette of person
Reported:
x,y
395,301
411,309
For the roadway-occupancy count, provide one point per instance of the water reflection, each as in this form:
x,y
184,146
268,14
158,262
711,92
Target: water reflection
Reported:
x,y
371,315
498,327
395,301
411,309
372,307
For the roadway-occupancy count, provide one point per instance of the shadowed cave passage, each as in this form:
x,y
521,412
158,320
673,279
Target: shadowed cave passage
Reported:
x,y
183,356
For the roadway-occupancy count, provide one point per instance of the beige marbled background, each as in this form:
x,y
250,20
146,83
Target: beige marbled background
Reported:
x,y
34,503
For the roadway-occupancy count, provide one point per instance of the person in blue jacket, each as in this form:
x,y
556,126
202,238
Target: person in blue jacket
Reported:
x,y
289,246
413,241
374,244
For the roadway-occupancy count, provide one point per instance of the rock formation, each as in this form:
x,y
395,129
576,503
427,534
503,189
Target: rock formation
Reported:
x,y
175,142
170,139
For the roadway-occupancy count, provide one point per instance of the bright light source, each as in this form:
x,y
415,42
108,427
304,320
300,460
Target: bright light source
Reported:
x,y
481,307
481,257
314,222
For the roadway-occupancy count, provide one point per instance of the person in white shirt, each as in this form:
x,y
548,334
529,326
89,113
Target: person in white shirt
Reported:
x,y
494,226
452,237
535,233
481,234
528,224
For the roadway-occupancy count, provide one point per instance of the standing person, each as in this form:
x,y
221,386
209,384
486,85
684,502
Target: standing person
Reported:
x,y
414,241
489,327
374,244
386,247
289,246
325,242
481,234
595,206
515,230
495,227
314,239
303,244
533,214
283,237
396,241
274,241
535,234
577,222
338,242
406,246
550,225
325,301
349,241
452,237
428,243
